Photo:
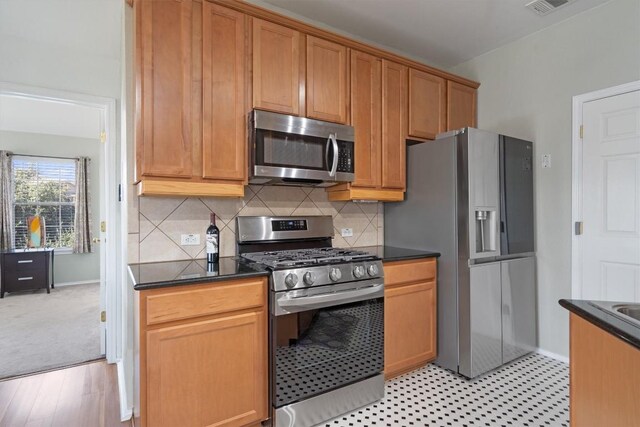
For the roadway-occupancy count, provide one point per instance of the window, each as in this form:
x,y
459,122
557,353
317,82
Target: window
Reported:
x,y
47,187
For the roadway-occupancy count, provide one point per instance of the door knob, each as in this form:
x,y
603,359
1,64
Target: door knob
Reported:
x,y
96,240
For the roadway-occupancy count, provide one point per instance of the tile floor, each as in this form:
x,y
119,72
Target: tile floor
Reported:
x,y
531,391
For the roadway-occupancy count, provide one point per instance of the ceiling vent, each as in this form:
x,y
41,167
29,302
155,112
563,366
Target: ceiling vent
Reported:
x,y
544,7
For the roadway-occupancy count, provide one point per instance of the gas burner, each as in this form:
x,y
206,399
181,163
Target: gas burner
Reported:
x,y
302,257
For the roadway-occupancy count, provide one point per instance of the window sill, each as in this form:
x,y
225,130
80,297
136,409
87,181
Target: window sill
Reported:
x,y
63,251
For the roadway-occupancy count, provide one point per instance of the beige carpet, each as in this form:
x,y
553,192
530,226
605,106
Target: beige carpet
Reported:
x,y
40,331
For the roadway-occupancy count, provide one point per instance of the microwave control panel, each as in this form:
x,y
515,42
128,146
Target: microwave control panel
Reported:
x,y
345,156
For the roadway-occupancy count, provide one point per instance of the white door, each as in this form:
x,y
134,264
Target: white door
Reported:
x,y
610,244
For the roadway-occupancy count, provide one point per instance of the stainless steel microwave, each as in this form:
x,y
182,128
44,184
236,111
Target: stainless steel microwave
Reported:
x,y
290,150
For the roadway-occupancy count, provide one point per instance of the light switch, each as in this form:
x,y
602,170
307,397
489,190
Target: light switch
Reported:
x,y
546,161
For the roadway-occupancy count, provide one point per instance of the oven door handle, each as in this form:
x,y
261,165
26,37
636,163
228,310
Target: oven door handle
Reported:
x,y
334,142
287,305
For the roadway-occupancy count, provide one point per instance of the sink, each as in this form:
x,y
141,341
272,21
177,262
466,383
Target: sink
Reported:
x,y
629,312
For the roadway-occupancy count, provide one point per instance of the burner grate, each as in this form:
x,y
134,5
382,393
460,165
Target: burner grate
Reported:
x,y
302,257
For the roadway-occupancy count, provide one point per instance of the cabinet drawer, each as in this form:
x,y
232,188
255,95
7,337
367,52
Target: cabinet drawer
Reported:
x,y
25,261
203,300
399,272
23,280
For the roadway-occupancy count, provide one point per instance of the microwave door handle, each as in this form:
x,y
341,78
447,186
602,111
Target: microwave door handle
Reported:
x,y
334,166
326,153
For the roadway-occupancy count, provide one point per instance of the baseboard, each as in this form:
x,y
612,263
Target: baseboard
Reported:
x,y
81,282
126,413
555,356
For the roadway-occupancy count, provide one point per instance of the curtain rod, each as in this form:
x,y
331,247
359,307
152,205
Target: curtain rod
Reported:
x,y
45,157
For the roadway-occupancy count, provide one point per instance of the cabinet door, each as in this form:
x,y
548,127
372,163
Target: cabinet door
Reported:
x,y
461,106
326,80
276,68
223,79
409,327
427,104
394,124
366,112
212,372
163,89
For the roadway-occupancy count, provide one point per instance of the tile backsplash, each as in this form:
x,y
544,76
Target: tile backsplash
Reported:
x,y
156,223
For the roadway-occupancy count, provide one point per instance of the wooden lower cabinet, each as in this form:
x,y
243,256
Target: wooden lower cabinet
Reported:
x,y
410,317
604,378
208,370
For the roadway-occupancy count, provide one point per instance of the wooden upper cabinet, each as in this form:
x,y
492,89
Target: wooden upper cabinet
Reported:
x,y
394,125
163,88
461,106
278,77
366,115
224,111
327,80
427,104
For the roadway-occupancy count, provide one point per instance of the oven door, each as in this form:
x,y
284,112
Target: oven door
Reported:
x,y
325,338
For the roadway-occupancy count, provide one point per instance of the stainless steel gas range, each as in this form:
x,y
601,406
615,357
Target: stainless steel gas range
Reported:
x,y
326,326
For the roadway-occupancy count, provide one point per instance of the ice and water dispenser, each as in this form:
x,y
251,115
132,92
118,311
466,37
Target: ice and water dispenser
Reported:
x,y
486,232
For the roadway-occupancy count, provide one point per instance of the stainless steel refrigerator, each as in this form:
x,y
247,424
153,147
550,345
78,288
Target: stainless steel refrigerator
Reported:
x,y
470,197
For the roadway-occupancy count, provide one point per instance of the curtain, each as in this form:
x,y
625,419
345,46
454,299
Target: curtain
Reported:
x,y
6,201
82,218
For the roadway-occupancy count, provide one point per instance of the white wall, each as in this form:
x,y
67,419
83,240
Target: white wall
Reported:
x,y
526,91
68,267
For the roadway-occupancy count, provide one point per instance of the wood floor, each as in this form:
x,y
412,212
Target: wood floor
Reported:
x,y
81,396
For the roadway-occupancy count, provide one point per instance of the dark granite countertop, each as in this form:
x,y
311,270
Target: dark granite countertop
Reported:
x,y
390,253
626,331
175,273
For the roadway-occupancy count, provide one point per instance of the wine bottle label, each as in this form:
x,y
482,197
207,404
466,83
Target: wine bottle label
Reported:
x,y
212,244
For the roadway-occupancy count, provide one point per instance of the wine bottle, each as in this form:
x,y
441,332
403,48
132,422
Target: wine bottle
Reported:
x,y
213,240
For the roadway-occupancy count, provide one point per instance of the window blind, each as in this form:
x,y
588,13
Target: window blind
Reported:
x,y
45,187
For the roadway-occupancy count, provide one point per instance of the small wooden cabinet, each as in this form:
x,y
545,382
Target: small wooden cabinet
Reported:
x,y
203,354
164,59
278,68
327,84
378,114
366,114
410,318
604,378
191,81
394,127
224,112
461,106
427,104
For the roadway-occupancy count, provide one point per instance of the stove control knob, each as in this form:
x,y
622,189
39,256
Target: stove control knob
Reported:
x,y
335,274
309,278
358,271
291,280
373,270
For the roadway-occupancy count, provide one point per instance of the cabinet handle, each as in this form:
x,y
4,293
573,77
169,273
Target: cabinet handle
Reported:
x,y
25,278
25,261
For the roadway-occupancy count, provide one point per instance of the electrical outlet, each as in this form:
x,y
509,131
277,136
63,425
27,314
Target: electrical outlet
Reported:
x,y
346,232
546,161
189,239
